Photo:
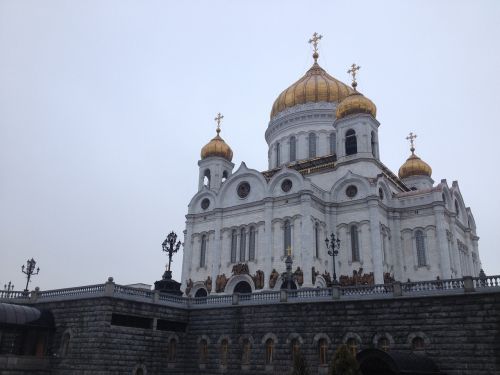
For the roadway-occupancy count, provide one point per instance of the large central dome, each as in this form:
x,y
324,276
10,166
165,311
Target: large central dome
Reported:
x,y
315,86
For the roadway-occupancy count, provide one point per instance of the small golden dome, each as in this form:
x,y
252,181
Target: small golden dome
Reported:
x,y
355,103
315,86
414,166
217,147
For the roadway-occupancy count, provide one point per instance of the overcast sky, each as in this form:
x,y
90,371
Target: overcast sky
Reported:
x,y
105,105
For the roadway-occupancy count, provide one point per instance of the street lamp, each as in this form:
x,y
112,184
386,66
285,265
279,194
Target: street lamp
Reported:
x,y
333,246
29,271
288,276
170,247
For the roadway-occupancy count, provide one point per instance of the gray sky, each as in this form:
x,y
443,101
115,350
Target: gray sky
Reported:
x,y
105,105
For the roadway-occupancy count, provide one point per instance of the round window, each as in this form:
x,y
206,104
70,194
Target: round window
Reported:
x,y
205,203
286,185
351,191
243,189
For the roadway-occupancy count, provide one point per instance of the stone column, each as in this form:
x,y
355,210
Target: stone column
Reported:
x,y
307,235
216,249
397,246
469,253
186,254
376,242
442,242
267,250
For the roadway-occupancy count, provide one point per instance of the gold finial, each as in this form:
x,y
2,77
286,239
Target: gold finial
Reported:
x,y
218,119
411,137
314,41
353,71
289,250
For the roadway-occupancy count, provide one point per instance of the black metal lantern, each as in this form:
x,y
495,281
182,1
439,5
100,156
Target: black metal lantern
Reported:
x,y
333,246
29,271
170,246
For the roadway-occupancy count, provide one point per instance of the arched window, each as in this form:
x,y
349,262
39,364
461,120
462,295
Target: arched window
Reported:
x,y
293,148
65,344
312,145
223,352
374,144
269,351
354,243
243,244
172,350
287,237
351,144
234,242
277,154
353,345
251,244
245,352
224,176
333,143
203,250
417,343
295,348
420,243
203,351
206,178
316,240
457,210
323,352
383,344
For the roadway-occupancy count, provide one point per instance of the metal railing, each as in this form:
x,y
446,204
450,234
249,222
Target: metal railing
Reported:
x,y
110,289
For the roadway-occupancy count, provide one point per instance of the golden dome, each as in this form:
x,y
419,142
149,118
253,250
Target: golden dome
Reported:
x,y
414,166
217,147
355,103
315,86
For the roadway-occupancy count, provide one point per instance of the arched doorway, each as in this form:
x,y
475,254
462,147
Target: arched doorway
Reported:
x,y
200,293
242,287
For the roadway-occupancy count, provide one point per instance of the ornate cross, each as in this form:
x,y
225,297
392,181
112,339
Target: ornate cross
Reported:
x,y
314,41
353,71
411,137
218,119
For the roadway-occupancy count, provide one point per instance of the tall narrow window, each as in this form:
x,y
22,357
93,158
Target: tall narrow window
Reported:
x,y
203,250
383,344
420,242
354,243
352,344
224,176
251,244
418,343
287,234
245,355
234,243
295,348
203,351
65,344
269,351
312,145
278,154
206,178
316,240
323,349
172,350
457,210
293,148
223,352
243,244
374,144
351,144
333,143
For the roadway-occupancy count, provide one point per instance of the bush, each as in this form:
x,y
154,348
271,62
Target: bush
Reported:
x,y
344,362
300,365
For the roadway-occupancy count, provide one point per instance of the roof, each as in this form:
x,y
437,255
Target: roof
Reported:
x,y
23,315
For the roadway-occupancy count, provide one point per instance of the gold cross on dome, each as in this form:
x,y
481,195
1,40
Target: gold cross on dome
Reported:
x,y
314,41
411,137
218,119
353,71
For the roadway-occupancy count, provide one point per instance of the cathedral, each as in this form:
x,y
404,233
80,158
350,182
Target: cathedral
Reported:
x,y
325,178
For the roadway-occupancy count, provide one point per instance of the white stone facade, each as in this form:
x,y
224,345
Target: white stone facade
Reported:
x,y
409,229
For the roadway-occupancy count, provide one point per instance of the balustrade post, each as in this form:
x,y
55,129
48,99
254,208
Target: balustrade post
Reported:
x,y
335,292
236,298
34,294
468,284
397,290
109,287
283,295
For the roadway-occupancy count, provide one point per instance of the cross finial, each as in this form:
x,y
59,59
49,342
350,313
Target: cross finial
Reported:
x,y
411,137
353,71
314,41
289,251
218,119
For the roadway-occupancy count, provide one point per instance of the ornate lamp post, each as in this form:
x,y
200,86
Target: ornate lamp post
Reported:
x,y
333,246
29,271
8,287
170,246
288,276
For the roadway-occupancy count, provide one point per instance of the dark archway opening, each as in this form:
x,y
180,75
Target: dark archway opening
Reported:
x,y
242,287
200,293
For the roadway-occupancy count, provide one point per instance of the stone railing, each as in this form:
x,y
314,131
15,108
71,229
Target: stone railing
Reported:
x,y
110,289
